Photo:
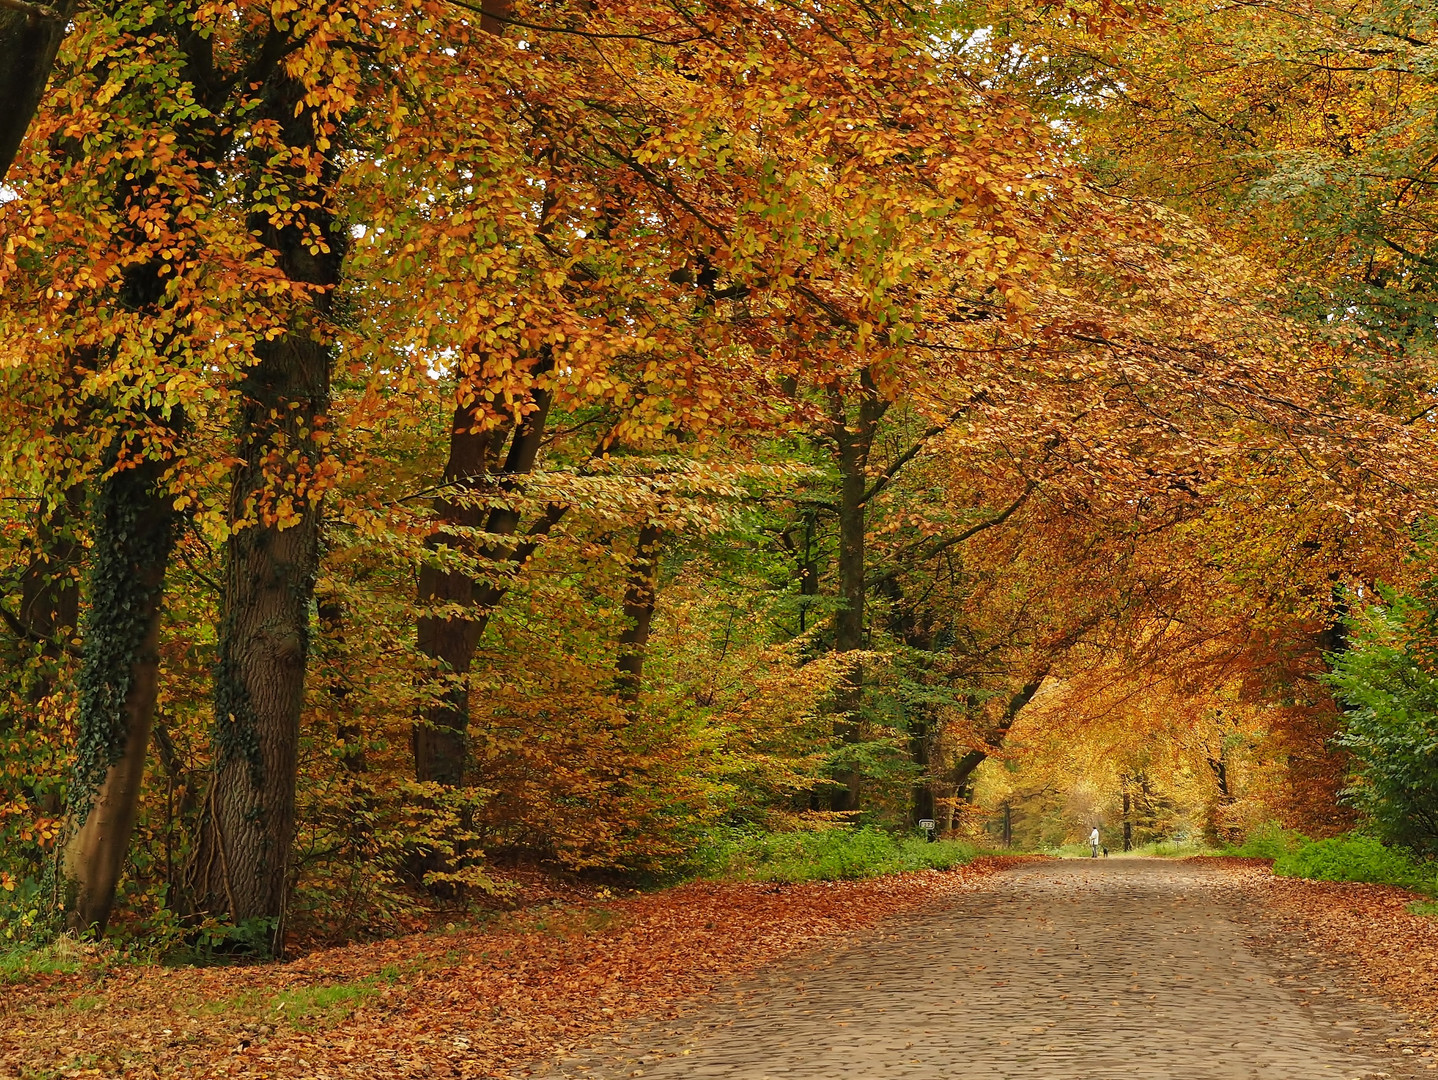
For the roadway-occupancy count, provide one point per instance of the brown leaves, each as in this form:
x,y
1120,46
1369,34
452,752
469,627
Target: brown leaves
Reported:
x,y
468,1004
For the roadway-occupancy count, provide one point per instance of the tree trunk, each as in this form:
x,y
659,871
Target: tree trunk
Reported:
x,y
29,41
440,738
923,792
241,862
807,561
640,595
132,536
852,447
1127,823
119,679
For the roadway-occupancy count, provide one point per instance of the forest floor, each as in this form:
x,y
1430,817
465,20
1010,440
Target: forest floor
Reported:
x,y
1068,969
465,1003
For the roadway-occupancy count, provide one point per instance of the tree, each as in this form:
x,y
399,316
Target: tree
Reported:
x,y
30,36
1390,723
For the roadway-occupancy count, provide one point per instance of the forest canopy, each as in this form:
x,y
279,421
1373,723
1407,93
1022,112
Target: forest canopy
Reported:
x,y
440,437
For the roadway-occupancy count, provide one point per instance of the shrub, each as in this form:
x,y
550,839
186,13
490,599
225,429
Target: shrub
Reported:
x,y
832,854
1356,858
1270,840
1387,682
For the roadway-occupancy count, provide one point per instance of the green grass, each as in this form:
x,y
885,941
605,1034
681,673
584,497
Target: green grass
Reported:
x,y
306,1006
1158,849
1172,849
302,1007
1069,851
1423,907
836,854
21,963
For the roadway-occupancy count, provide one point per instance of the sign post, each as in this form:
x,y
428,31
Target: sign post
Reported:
x,y
927,824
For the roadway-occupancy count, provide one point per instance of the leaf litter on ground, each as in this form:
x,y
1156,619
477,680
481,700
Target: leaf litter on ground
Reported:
x,y
468,1003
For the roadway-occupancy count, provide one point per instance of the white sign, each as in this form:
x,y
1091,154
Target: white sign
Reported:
x,y
926,823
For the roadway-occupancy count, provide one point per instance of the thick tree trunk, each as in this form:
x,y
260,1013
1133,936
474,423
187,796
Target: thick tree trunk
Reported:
x,y
441,735
241,863
29,40
243,856
119,679
640,595
853,442
1127,822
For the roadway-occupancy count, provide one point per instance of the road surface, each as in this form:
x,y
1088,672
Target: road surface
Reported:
x,y
1108,969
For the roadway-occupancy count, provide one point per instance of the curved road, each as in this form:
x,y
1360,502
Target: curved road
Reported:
x,y
1139,969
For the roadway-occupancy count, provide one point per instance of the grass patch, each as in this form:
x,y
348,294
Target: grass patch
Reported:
x,y
301,1007
21,963
309,1006
837,854
246,1002
1156,849
1424,907
1172,849
1069,851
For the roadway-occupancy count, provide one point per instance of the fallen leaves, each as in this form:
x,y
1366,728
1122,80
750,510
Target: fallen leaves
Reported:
x,y
464,1004
1369,926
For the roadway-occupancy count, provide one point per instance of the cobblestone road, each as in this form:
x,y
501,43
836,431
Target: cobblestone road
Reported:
x,y
1116,969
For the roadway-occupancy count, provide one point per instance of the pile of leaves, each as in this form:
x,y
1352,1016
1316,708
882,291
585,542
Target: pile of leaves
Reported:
x,y
466,1003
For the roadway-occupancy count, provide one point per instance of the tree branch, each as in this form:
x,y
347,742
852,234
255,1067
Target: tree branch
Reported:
x,y
990,523
908,455
35,11
26,634
509,20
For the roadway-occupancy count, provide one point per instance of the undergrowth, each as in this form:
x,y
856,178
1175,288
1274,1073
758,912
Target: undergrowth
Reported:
x,y
833,854
1358,858
1268,841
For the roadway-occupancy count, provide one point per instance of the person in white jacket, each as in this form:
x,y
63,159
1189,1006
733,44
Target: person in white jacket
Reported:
x,y
1093,841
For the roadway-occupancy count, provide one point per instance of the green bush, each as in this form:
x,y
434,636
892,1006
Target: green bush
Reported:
x,y
1269,840
1357,858
827,855
1387,682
